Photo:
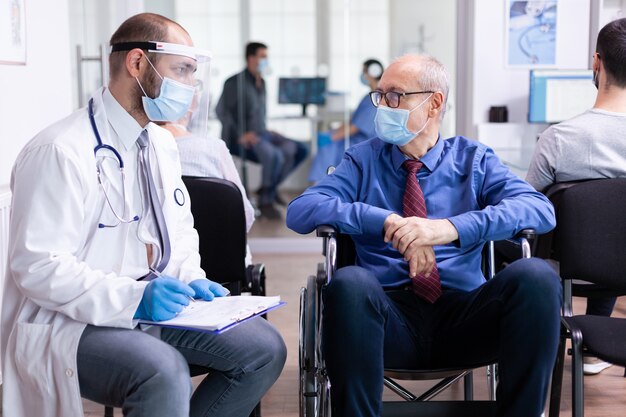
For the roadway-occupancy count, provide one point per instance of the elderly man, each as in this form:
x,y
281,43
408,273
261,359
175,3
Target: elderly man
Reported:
x,y
419,209
93,248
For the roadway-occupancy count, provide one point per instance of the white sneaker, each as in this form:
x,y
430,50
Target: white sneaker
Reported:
x,y
593,365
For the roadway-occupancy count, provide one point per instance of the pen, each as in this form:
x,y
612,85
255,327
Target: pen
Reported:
x,y
158,274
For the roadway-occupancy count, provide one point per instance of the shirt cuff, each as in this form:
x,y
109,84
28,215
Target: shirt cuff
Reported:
x,y
466,228
374,220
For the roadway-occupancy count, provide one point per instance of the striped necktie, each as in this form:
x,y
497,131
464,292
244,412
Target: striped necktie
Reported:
x,y
413,204
157,210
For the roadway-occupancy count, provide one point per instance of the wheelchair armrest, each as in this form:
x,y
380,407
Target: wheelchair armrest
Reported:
x,y
325,231
524,239
329,250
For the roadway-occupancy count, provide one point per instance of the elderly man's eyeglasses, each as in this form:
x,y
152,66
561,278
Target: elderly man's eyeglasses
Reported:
x,y
392,98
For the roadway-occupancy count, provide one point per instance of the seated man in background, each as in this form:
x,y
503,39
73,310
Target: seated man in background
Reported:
x,y
242,111
361,126
591,145
420,209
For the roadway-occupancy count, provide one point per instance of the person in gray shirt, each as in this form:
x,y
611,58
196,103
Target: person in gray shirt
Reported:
x,y
242,112
591,145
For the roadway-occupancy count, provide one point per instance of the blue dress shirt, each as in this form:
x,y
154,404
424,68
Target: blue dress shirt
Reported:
x,y
462,181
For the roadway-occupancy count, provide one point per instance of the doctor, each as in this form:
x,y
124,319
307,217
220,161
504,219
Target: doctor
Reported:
x,y
98,203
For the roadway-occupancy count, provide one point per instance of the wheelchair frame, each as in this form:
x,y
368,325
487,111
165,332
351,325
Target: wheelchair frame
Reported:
x,y
314,389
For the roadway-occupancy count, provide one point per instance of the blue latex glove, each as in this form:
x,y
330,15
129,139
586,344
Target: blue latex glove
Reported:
x,y
163,298
207,289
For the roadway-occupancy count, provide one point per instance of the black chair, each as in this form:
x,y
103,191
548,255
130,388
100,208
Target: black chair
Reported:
x,y
219,217
590,244
315,398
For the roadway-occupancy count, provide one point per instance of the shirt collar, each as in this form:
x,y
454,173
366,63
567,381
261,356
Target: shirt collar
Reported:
x,y
124,125
429,160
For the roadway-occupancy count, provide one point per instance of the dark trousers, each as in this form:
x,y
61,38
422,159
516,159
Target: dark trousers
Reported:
x,y
278,156
512,319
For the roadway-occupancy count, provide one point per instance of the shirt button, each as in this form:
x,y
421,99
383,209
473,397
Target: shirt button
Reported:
x,y
69,372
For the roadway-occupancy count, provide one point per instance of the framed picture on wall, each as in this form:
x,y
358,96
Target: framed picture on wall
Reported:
x,y
531,33
12,32
547,33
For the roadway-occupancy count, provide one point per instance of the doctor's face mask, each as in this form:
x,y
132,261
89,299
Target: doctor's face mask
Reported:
x,y
172,102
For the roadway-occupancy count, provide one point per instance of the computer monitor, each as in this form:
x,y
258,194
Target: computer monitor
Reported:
x,y
302,90
557,95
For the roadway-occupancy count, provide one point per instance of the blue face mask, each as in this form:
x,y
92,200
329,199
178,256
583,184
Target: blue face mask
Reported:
x,y
171,104
391,123
364,80
263,65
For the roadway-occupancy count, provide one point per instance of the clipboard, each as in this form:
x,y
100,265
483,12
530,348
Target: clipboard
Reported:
x,y
221,314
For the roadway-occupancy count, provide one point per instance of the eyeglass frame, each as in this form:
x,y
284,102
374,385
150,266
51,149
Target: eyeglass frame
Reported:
x,y
400,95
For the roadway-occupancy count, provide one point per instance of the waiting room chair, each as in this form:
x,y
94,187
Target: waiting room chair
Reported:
x,y
219,217
590,244
315,398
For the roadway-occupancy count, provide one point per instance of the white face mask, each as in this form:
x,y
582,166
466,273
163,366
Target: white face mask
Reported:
x,y
391,124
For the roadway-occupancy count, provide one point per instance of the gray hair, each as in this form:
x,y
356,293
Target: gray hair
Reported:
x,y
432,75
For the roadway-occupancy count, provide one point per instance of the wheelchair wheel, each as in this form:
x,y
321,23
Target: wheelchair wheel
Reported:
x,y
311,390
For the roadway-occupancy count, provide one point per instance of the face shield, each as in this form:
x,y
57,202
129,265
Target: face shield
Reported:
x,y
184,64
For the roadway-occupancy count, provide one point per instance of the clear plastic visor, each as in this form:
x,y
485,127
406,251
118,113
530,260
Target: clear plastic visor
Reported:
x,y
188,65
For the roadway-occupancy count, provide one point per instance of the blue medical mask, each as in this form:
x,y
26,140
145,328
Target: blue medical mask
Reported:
x,y
391,124
263,65
364,80
172,103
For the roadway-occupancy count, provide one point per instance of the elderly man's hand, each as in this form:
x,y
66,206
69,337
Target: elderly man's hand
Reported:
x,y
414,238
403,232
421,259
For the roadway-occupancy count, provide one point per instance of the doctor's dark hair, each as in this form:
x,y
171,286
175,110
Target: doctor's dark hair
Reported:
x,y
611,47
253,47
143,27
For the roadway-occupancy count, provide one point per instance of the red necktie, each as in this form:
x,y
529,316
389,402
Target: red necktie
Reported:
x,y
428,288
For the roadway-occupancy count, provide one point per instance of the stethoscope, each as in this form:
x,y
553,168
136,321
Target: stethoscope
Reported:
x,y
104,147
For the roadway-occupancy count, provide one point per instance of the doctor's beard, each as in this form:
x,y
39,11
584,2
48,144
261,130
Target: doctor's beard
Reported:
x,y
152,84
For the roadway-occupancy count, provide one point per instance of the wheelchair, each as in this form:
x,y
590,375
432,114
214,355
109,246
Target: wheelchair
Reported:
x,y
314,389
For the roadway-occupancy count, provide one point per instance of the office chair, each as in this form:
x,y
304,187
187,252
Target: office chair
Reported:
x,y
314,396
219,218
590,244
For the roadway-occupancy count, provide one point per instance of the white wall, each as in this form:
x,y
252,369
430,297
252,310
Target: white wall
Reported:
x,y
496,85
427,27
34,95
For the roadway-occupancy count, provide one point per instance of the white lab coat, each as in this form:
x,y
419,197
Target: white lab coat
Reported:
x,y
64,272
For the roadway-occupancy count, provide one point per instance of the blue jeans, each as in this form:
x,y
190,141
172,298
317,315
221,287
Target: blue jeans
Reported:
x,y
148,377
278,157
512,319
